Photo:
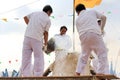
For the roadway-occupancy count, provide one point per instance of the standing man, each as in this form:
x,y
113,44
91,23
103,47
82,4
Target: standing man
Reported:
x,y
38,24
63,44
91,39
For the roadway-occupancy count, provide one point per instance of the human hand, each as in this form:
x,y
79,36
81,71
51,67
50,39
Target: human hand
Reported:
x,y
45,48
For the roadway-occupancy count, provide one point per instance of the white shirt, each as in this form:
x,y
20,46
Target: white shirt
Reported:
x,y
87,22
62,42
38,23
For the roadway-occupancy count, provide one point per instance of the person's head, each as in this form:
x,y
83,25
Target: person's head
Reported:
x,y
79,8
48,9
63,30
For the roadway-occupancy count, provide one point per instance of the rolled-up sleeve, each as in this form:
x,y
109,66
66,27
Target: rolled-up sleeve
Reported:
x,y
29,15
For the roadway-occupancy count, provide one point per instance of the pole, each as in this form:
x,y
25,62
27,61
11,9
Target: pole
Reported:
x,y
73,25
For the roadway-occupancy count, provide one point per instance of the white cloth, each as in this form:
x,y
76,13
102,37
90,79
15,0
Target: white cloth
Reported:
x,y
38,23
60,57
95,64
32,45
87,21
93,42
62,42
62,45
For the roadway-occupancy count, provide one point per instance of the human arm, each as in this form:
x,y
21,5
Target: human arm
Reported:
x,y
46,30
45,37
45,40
45,33
26,19
103,19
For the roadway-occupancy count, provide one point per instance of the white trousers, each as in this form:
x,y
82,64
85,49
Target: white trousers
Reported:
x,y
93,42
32,45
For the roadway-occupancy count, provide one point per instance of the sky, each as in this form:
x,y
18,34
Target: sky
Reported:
x,y
12,31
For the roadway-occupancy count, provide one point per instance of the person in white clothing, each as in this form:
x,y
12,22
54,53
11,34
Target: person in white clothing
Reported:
x,y
62,40
91,39
62,45
38,24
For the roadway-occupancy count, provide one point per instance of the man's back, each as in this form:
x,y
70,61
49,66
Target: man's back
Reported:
x,y
38,22
87,22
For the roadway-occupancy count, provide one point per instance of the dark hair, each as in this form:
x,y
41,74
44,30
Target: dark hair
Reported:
x,y
99,20
80,7
47,8
63,27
